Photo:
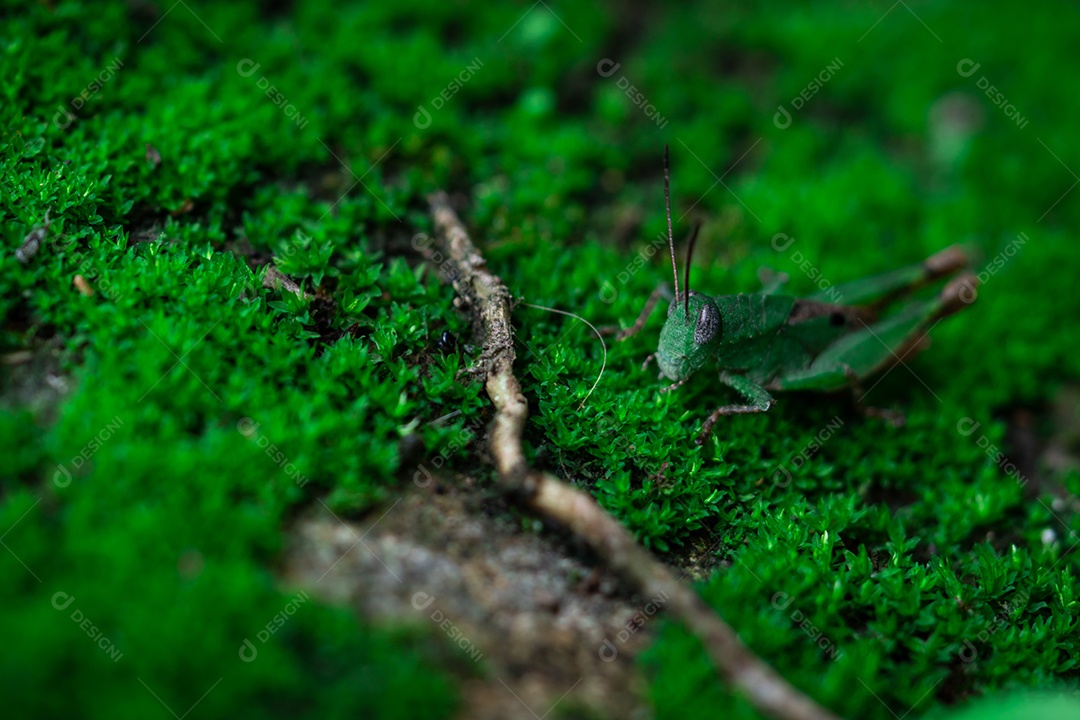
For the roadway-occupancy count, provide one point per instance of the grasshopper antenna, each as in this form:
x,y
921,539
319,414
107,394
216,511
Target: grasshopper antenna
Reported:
x,y
670,234
603,365
686,272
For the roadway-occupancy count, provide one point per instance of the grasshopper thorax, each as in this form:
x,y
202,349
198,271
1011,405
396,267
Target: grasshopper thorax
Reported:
x,y
690,336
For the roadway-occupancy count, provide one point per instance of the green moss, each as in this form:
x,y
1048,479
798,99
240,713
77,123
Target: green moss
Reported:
x,y
175,181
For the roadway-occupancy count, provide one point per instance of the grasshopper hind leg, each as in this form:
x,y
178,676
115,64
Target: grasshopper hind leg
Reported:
x,y
880,345
880,290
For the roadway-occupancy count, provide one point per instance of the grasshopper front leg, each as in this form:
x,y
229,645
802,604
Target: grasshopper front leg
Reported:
x,y
643,318
759,397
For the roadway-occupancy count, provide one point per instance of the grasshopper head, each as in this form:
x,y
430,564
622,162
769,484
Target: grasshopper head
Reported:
x,y
689,338
692,330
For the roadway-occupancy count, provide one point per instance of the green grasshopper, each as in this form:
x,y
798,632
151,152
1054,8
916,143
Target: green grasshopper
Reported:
x,y
767,342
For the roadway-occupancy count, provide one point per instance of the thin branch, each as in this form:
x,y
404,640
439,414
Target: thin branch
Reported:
x,y
578,511
276,279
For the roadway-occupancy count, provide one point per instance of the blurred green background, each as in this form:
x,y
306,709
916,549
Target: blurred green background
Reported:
x,y
178,149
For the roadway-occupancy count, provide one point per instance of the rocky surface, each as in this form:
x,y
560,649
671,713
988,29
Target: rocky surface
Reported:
x,y
546,627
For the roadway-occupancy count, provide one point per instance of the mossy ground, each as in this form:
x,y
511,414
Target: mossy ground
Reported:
x,y
143,487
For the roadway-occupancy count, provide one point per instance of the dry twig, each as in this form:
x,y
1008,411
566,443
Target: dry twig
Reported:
x,y
489,301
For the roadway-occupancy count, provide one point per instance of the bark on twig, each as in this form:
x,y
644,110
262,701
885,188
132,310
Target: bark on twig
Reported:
x,y
578,511
276,279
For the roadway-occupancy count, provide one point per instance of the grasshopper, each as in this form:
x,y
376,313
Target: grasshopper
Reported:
x,y
767,342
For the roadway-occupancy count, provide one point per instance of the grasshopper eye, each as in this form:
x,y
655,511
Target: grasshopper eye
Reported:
x,y
708,324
